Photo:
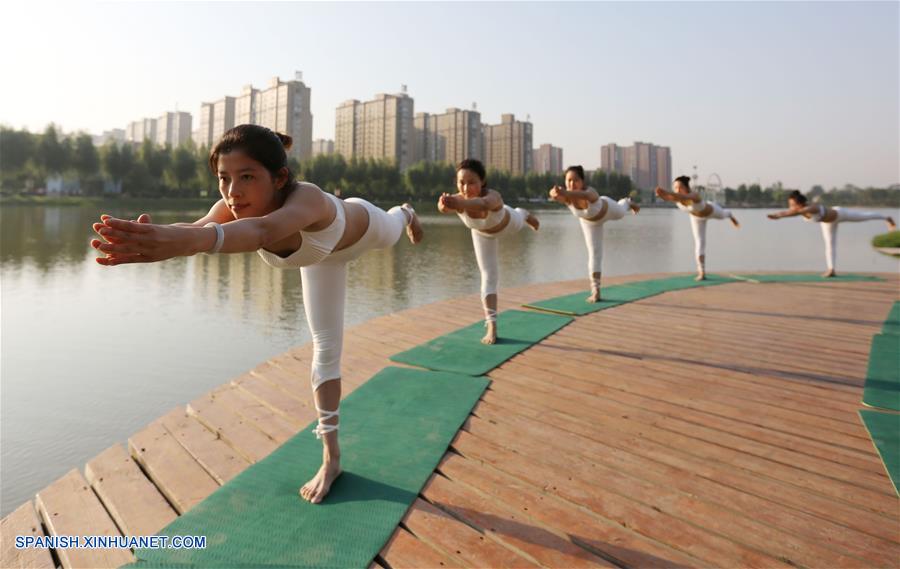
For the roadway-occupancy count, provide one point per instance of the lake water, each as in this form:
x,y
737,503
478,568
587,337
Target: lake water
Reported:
x,y
90,355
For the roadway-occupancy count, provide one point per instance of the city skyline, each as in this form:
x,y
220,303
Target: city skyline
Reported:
x,y
799,93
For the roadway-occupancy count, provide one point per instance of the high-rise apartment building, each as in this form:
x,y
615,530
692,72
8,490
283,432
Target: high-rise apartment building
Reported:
x,y
448,137
246,106
548,159
283,106
137,131
173,129
381,129
322,146
507,146
646,164
223,118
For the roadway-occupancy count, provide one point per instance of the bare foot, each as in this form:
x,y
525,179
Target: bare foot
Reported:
x,y
734,221
413,228
595,296
316,489
491,336
828,274
635,208
700,277
533,222
891,224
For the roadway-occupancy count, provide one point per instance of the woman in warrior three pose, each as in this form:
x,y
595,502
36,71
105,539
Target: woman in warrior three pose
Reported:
x,y
482,210
828,219
292,225
701,211
592,211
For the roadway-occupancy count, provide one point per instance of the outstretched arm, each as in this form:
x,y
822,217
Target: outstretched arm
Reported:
x,y
490,202
445,203
676,197
132,242
219,213
793,212
589,195
454,203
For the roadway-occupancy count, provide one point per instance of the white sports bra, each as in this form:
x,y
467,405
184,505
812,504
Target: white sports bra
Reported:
x,y
817,217
693,207
493,219
590,211
315,245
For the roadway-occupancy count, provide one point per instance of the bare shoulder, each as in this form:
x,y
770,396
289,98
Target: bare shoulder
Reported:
x,y
493,199
305,194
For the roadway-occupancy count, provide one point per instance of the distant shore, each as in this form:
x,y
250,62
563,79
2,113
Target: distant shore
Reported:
x,y
204,203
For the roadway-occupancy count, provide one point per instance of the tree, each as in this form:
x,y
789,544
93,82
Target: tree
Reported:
x,y
111,158
16,147
52,155
183,167
754,194
86,161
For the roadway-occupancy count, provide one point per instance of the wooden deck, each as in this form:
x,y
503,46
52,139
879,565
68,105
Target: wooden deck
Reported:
x,y
707,427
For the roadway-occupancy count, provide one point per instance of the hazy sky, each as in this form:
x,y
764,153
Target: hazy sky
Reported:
x,y
804,93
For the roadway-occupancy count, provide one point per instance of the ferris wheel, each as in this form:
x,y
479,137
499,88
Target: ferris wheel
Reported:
x,y
713,189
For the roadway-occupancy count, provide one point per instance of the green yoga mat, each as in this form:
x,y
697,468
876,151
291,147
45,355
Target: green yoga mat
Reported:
x,y
884,428
615,295
395,429
805,277
883,375
462,351
892,322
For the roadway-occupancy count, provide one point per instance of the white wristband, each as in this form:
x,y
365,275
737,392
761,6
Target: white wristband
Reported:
x,y
220,238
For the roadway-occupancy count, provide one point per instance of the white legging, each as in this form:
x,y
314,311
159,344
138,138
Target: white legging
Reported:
x,y
487,251
829,229
593,235
325,287
698,226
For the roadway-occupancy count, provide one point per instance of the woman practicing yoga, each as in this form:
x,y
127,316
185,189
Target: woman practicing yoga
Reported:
x,y
482,210
291,225
828,218
701,211
592,210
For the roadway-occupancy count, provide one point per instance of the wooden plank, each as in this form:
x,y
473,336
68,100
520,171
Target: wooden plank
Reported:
x,y
792,525
831,486
514,530
173,470
135,504
257,414
526,372
758,483
869,478
566,519
23,521
649,521
220,460
235,430
405,551
289,408
596,381
446,534
69,507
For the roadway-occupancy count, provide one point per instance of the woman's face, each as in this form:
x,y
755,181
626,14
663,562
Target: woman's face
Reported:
x,y
573,182
680,188
246,186
468,183
794,204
